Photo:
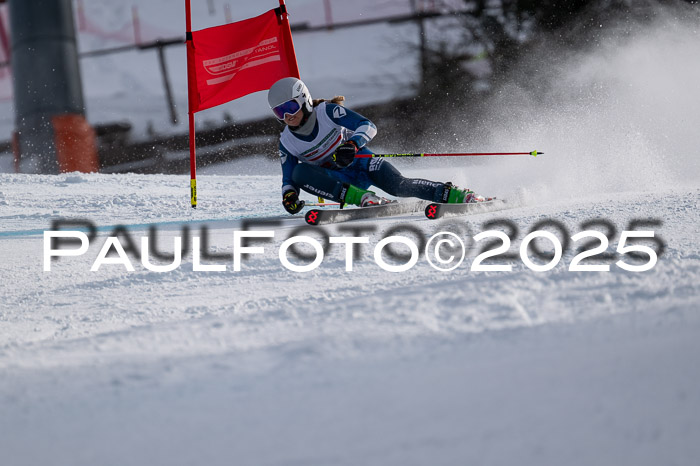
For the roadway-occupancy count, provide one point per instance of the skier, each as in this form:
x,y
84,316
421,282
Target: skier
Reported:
x,y
325,137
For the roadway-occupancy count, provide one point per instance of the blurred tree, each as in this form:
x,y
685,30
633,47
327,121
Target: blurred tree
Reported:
x,y
467,56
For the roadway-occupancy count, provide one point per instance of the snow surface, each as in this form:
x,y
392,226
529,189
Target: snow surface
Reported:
x,y
270,367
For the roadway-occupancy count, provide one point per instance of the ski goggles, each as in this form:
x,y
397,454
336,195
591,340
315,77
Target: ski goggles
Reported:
x,y
289,107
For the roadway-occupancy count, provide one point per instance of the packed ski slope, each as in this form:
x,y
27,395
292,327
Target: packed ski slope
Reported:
x,y
267,366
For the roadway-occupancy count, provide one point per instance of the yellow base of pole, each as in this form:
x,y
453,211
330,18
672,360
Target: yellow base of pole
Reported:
x,y
193,193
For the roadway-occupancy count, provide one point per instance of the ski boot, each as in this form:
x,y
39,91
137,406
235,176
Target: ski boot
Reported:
x,y
361,197
371,199
457,196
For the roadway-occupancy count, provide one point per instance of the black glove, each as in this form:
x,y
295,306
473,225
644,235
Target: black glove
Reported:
x,y
345,154
291,202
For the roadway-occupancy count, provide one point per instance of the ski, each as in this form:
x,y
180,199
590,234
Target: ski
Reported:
x,y
325,216
435,211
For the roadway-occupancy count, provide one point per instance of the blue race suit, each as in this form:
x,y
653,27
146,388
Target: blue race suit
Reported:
x,y
318,174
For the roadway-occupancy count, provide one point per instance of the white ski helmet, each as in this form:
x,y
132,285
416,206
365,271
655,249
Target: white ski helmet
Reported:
x,y
287,96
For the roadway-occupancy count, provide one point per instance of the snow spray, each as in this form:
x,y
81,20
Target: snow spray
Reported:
x,y
619,115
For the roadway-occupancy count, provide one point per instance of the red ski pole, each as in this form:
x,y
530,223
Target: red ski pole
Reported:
x,y
534,153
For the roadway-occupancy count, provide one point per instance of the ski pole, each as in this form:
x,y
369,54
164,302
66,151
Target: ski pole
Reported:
x,y
534,153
